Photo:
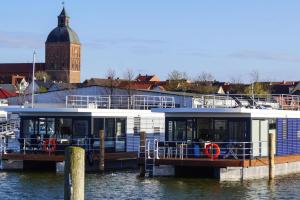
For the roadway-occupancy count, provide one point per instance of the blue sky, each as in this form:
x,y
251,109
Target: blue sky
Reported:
x,y
228,38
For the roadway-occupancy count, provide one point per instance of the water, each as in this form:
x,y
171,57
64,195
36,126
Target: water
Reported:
x,y
126,185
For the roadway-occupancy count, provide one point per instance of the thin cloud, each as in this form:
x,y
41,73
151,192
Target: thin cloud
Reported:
x,y
124,42
265,56
20,40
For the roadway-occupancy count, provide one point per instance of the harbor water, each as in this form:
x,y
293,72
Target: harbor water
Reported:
x,y
127,185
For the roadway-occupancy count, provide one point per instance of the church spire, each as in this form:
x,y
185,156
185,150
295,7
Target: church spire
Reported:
x,y
63,18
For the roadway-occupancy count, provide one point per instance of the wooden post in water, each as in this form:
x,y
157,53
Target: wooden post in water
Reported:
x,y
101,151
74,173
142,152
271,156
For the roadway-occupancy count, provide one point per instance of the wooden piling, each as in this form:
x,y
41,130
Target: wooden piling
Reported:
x,y
74,173
142,152
271,151
101,151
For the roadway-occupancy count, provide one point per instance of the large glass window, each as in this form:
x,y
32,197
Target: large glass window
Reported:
x,y
80,128
115,133
204,130
220,130
28,128
179,130
64,128
236,131
207,129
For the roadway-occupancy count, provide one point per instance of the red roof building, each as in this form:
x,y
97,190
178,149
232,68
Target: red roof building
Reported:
x,y
4,94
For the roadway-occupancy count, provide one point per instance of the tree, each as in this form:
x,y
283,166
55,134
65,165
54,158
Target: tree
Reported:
x,y
112,82
256,87
177,81
41,75
129,77
204,77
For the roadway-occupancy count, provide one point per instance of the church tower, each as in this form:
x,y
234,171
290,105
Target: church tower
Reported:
x,y
63,52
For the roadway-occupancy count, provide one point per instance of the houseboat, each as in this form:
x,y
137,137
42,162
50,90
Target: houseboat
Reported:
x,y
226,137
47,129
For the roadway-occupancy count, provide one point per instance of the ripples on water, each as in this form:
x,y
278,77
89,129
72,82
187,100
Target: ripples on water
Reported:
x,y
126,185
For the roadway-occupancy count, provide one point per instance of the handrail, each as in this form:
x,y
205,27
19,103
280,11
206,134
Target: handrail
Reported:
x,y
255,101
139,102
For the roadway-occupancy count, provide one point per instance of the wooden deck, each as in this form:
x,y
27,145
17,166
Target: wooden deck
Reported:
x,y
206,162
59,158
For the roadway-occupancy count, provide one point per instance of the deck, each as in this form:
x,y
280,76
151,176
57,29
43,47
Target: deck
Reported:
x,y
60,158
206,162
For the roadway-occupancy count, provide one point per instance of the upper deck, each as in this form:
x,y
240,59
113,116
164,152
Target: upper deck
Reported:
x,y
252,101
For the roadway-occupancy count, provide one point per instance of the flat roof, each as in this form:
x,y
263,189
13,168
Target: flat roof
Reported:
x,y
228,112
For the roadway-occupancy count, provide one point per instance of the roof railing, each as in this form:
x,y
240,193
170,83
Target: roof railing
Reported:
x,y
138,102
257,101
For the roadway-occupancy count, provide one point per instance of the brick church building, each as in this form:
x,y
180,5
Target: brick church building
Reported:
x,y
62,57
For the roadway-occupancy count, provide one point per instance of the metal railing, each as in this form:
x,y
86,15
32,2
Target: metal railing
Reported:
x,y
141,102
210,150
55,146
257,101
8,128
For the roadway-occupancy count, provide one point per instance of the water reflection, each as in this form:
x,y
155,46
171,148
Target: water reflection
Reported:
x,y
126,185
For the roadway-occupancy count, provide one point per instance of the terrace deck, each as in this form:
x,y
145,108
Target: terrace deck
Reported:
x,y
206,162
60,158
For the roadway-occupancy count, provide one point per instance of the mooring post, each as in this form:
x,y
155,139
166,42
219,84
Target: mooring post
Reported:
x,y
101,151
142,152
271,156
74,173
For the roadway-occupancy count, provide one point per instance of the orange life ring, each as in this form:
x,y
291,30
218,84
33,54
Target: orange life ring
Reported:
x,y
212,146
49,145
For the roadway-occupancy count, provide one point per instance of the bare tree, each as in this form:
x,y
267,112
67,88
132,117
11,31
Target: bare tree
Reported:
x,y
129,77
177,81
254,76
204,77
112,82
41,75
257,87
177,75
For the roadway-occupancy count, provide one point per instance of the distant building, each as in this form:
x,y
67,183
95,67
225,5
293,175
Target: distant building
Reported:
x,y
62,57
63,52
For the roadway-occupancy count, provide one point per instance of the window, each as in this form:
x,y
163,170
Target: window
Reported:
x,y
136,125
179,130
98,125
27,128
64,127
156,131
80,128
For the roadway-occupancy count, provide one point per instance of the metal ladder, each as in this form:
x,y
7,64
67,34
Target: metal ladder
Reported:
x,y
151,154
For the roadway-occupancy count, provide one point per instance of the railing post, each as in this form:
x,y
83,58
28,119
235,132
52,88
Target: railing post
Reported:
x,y
271,156
101,150
142,152
109,102
66,101
244,151
24,147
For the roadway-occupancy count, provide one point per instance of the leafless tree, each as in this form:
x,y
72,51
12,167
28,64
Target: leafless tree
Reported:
x,y
177,81
204,77
112,82
129,77
254,76
41,75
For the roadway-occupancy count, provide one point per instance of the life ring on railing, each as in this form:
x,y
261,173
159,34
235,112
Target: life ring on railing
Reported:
x,y
212,147
49,145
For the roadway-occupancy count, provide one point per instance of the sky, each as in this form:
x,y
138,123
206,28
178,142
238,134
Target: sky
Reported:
x,y
229,39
